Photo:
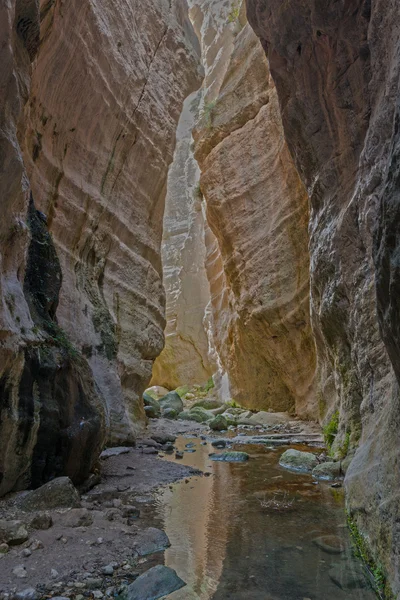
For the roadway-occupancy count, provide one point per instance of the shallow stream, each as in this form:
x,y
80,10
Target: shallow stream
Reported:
x,y
249,531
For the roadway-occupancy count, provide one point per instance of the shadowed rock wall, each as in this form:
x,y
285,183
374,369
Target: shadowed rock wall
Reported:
x,y
336,68
92,95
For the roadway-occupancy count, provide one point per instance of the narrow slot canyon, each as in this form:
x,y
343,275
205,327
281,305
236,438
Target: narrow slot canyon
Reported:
x,y
199,349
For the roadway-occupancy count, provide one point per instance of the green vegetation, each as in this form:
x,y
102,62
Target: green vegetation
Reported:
x,y
207,113
61,339
208,386
363,552
233,404
344,448
182,390
234,13
330,430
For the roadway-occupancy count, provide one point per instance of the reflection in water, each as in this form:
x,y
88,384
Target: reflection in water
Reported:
x,y
227,543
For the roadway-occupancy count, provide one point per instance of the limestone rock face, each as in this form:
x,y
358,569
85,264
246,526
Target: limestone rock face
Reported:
x,y
186,358
257,209
336,68
91,95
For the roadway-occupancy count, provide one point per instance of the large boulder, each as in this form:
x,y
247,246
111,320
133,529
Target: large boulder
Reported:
x,y
295,460
328,471
155,583
12,533
171,400
58,493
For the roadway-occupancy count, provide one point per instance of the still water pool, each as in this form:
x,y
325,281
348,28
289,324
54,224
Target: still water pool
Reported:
x,y
253,531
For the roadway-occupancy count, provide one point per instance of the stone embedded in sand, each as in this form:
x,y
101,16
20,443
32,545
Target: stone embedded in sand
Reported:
x,y
230,456
28,594
109,452
163,438
20,572
295,460
155,583
149,541
13,533
58,493
41,521
328,471
348,576
330,544
171,400
77,517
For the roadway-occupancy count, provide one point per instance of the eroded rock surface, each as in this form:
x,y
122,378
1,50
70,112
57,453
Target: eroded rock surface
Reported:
x,y
257,209
336,68
92,93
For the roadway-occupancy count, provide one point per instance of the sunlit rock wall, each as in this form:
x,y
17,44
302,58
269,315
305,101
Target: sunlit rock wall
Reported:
x,y
185,359
336,67
82,311
257,209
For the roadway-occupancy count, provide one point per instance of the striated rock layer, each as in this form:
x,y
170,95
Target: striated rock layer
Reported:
x,y
336,68
257,209
82,318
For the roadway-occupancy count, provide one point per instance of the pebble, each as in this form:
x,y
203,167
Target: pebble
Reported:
x,y
28,594
98,594
26,552
108,570
178,454
20,572
4,548
53,574
36,545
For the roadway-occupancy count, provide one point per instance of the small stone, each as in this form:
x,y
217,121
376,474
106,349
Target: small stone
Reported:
x,y
64,540
230,457
36,545
28,594
26,552
78,517
178,454
20,572
53,574
100,540
108,570
130,511
126,567
93,583
218,443
4,548
98,594
41,521
117,503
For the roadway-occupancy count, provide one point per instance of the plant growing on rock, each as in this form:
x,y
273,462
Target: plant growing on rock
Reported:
x,y
330,430
207,113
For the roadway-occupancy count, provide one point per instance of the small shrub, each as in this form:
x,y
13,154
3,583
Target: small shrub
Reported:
x,y
234,13
330,430
207,113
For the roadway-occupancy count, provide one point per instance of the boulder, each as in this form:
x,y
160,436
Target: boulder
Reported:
x,y
295,460
151,412
78,517
171,400
207,403
150,540
152,405
41,521
218,443
230,457
109,452
219,423
12,533
156,392
198,414
328,471
170,413
155,583
58,493
163,438
268,418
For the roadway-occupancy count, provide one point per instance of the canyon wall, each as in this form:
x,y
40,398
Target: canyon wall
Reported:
x,y
336,67
92,96
257,210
